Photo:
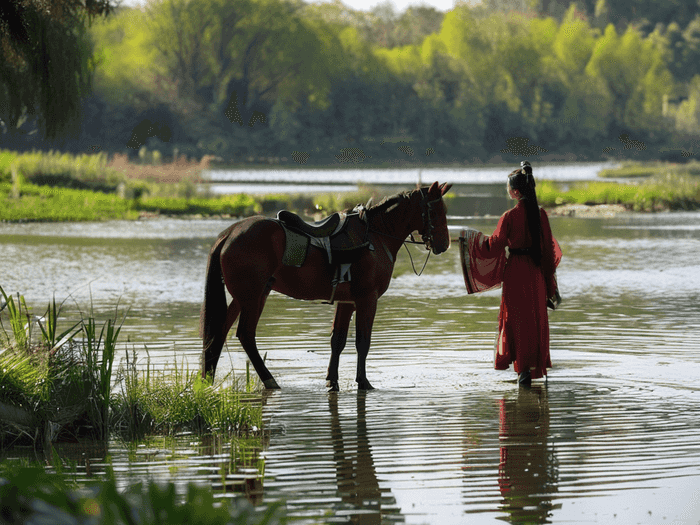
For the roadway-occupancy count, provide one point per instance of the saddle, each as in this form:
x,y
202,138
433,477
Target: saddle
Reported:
x,y
342,236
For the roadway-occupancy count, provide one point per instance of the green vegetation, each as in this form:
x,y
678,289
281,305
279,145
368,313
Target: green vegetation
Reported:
x,y
648,169
65,383
62,380
45,187
31,494
158,402
322,84
62,385
660,192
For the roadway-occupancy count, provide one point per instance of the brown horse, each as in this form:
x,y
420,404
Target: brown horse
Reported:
x,y
247,257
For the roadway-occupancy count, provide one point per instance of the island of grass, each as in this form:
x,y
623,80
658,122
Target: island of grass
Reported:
x,y
643,187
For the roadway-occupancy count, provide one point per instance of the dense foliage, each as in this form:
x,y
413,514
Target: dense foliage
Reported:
x,y
290,82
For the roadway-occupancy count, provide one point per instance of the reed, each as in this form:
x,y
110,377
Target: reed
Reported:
x,y
150,401
66,382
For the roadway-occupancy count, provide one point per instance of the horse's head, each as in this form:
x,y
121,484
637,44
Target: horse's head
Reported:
x,y
435,233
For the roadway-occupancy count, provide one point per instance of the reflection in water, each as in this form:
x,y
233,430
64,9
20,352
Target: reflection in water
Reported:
x,y
355,472
319,461
528,471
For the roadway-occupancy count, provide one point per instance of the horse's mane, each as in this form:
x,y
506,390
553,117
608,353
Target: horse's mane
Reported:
x,y
388,202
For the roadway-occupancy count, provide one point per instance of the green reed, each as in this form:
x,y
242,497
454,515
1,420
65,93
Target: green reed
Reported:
x,y
20,321
150,401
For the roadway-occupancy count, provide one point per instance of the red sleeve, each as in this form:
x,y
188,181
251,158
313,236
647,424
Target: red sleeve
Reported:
x,y
495,243
551,253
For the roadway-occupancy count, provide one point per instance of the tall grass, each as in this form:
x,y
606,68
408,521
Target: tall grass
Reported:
x,y
89,171
58,380
150,401
668,191
65,382
650,169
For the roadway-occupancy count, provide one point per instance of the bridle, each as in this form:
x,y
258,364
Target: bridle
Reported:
x,y
426,207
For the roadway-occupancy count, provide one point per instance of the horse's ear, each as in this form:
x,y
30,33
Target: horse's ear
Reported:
x,y
445,188
433,188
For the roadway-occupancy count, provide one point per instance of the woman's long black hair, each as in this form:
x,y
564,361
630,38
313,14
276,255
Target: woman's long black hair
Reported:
x,y
523,181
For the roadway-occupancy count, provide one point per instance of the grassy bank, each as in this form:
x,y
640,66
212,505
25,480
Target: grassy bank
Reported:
x,y
64,384
650,169
62,187
659,192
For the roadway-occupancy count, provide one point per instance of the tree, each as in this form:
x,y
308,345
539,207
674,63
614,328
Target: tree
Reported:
x,y
45,65
242,56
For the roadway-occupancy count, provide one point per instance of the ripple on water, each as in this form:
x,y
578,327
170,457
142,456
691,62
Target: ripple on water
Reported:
x,y
424,456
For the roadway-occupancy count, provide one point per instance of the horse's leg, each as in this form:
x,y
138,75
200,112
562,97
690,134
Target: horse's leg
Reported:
x,y
341,323
364,319
251,310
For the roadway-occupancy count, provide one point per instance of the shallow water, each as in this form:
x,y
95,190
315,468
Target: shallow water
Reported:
x,y
611,437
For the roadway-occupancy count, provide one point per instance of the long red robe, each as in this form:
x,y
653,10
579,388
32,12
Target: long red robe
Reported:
x,y
523,323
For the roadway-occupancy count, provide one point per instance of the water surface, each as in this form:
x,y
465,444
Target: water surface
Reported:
x,y
612,436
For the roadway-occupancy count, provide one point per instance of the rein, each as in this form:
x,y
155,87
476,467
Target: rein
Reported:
x,y
426,207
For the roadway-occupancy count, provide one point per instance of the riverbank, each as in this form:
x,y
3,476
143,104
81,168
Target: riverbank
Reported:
x,y
55,187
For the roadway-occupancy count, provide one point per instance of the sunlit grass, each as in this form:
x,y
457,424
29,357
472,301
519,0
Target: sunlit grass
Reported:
x,y
667,191
648,169
149,401
54,382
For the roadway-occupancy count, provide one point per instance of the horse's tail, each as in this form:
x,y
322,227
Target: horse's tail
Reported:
x,y
213,314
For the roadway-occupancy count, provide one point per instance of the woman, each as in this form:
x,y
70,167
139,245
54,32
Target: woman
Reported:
x,y
526,273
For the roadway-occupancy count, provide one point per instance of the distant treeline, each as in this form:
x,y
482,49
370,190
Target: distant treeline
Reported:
x,y
282,81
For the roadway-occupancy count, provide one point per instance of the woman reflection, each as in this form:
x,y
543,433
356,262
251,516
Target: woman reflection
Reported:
x,y
526,274
527,473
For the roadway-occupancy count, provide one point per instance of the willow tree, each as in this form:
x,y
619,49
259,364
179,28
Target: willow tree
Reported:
x,y
45,63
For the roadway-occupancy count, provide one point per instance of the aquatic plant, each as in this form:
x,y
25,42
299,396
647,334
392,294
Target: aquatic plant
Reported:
x,y
64,383
164,402
20,321
29,493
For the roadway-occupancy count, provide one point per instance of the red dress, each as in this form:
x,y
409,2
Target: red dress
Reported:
x,y
523,324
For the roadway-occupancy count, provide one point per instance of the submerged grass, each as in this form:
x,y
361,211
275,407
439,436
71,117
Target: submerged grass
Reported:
x,y
667,191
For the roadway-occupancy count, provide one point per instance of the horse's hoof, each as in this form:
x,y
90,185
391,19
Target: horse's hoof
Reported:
x,y
271,384
333,386
364,385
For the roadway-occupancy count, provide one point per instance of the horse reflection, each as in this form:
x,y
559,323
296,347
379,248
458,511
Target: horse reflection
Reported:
x,y
528,471
356,476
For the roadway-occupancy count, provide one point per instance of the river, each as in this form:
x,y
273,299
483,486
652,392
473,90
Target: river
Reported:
x,y
612,436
